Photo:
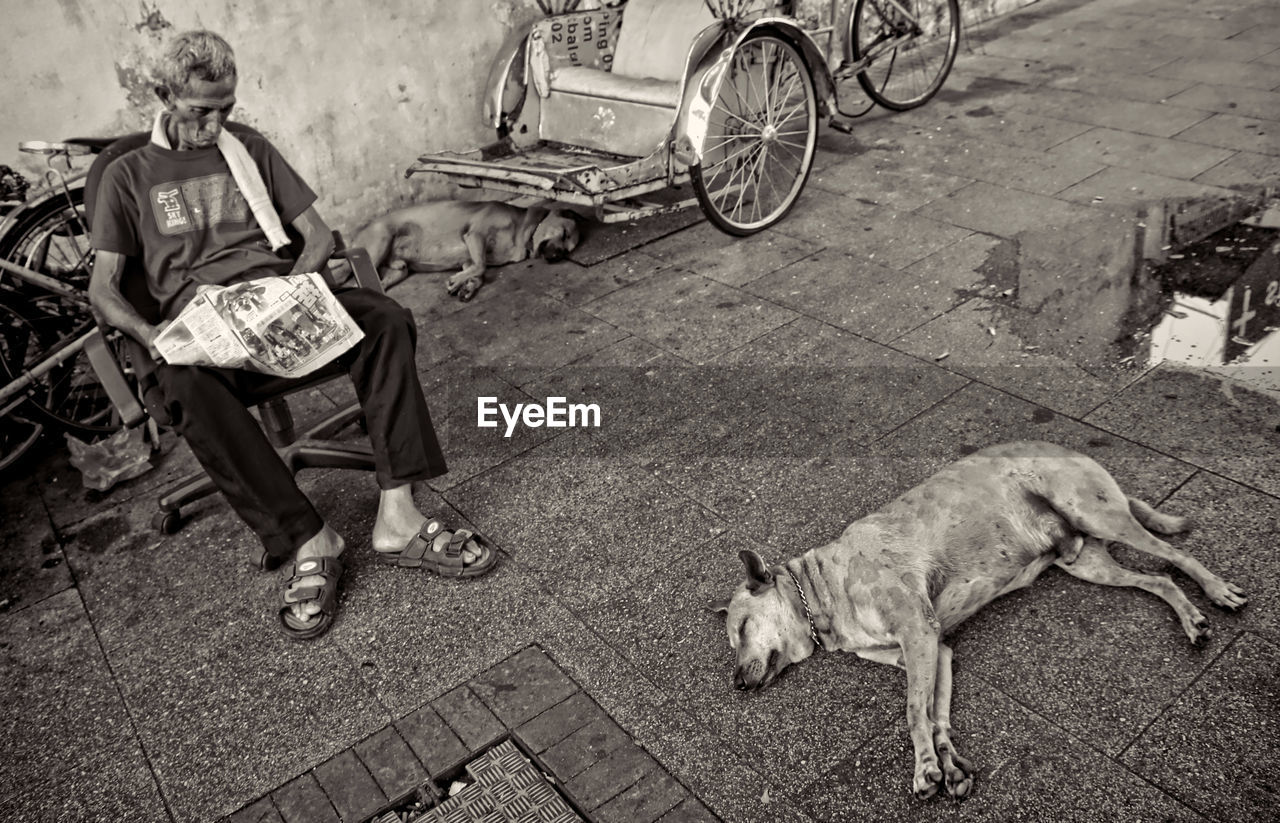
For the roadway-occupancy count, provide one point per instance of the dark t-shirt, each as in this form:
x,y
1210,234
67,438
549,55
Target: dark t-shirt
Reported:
x,y
183,215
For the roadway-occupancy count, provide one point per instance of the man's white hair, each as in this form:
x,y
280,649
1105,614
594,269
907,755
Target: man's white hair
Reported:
x,y
198,54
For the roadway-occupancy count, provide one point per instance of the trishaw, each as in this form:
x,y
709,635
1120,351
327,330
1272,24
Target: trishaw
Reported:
x,y
611,110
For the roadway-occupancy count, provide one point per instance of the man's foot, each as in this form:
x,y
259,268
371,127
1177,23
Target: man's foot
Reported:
x,y
326,543
399,522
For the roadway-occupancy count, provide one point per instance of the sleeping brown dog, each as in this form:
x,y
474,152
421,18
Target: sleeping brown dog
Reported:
x,y
469,236
897,580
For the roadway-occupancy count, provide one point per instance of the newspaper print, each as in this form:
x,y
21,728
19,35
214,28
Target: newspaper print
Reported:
x,y
284,326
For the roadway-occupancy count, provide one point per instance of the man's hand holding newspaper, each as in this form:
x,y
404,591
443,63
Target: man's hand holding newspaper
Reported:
x,y
285,326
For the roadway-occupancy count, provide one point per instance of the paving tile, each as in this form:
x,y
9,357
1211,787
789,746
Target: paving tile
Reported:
x,y
391,762
352,790
1230,100
978,416
1242,170
980,341
603,241
1214,747
469,718
1009,166
898,189
844,290
734,261
583,748
301,800
431,739
574,509
834,379
1075,53
651,797
689,315
899,238
1222,73
1234,528
615,772
690,811
1097,110
1115,186
1157,155
522,686
215,744
261,811
70,749
1182,413
32,565
1235,132
1028,770
575,284
997,124
1003,212
558,722
522,326
1142,87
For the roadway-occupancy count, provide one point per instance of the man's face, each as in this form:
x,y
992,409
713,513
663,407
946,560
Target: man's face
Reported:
x,y
198,112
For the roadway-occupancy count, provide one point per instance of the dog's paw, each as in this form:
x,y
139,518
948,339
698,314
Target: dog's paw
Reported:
x,y
959,778
469,289
926,782
1227,595
1199,632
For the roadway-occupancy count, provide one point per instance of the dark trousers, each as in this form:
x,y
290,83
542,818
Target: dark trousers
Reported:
x,y
208,408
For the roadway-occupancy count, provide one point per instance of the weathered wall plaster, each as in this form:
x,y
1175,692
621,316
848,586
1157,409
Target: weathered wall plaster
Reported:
x,y
350,92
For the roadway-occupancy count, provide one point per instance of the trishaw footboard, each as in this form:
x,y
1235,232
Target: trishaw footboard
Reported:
x,y
547,169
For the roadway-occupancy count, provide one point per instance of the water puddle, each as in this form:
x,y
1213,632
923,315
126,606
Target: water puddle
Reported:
x,y
1194,282
1224,312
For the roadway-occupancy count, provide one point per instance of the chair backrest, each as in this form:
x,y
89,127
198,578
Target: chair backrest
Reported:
x,y
656,35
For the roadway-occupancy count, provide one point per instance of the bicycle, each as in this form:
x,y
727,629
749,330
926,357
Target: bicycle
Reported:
x,y
46,259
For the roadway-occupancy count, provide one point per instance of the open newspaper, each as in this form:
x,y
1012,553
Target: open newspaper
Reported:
x,y
285,326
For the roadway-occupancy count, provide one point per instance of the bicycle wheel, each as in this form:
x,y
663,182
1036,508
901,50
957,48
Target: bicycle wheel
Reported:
x,y
761,135
19,429
911,45
53,239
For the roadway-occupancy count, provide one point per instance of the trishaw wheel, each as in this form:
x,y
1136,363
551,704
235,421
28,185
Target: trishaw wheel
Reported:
x,y
761,135
910,45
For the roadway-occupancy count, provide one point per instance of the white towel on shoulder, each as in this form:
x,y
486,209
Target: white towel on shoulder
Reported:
x,y
245,172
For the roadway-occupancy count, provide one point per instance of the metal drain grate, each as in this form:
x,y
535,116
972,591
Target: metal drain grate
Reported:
x,y
505,788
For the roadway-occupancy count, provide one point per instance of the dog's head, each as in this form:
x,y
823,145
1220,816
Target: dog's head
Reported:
x,y
763,624
556,236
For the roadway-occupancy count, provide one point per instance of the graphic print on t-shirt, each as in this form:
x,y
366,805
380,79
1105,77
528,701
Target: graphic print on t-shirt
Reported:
x,y
198,203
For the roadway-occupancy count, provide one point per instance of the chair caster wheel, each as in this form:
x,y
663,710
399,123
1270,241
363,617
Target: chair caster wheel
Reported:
x,y
167,522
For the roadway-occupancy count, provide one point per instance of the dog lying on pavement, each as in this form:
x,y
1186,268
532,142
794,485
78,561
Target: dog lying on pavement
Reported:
x,y
897,580
445,235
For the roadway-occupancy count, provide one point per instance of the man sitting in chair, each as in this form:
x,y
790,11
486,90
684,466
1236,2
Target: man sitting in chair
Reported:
x,y
198,205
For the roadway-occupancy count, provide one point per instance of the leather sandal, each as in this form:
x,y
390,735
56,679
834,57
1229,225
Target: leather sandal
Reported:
x,y
421,552
326,594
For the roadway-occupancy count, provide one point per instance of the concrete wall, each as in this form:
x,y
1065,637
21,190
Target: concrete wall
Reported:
x,y
351,92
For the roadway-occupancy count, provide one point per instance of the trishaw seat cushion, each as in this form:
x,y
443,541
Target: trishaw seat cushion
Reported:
x,y
656,36
596,83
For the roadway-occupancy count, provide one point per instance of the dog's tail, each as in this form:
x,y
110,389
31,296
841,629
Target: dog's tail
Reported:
x,y
1158,521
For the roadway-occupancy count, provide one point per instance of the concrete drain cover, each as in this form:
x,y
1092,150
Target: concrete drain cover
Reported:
x,y
505,787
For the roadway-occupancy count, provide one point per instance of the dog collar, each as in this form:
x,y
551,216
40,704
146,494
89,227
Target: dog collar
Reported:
x,y
813,629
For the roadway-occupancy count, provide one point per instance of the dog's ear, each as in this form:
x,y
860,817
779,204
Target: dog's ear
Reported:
x,y
758,574
720,607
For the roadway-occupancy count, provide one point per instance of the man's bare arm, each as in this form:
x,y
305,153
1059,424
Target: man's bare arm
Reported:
x,y
317,242
110,304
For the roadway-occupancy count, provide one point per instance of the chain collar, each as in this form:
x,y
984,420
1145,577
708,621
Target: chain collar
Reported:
x,y
813,629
